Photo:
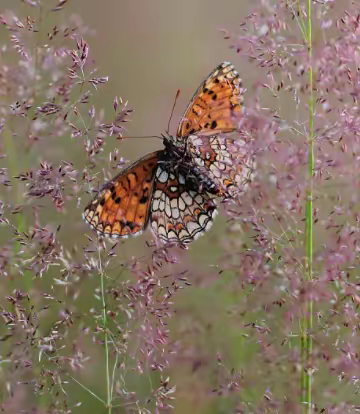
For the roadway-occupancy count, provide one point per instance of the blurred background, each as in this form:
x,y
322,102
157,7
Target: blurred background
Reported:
x,y
149,50
229,346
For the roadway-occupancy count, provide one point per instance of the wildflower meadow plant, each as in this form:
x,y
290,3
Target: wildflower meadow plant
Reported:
x,y
268,321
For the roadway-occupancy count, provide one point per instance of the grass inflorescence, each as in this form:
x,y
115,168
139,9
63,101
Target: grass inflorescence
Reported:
x,y
261,314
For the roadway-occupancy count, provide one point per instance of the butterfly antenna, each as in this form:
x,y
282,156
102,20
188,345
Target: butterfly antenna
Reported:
x,y
172,111
141,136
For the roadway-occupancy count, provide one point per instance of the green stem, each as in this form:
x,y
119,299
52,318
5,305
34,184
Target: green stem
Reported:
x,y
307,318
107,368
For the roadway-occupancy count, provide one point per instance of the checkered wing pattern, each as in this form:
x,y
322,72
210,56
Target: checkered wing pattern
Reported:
x,y
152,189
215,105
180,213
225,161
122,207
174,189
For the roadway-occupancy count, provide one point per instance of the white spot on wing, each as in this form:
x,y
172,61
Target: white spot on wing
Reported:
x,y
155,204
192,227
158,194
89,216
168,210
162,175
183,234
202,219
187,199
175,213
215,171
182,205
172,235
161,230
199,199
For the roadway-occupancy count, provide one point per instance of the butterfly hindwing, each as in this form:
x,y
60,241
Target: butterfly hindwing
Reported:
x,y
174,189
225,161
179,212
214,105
122,206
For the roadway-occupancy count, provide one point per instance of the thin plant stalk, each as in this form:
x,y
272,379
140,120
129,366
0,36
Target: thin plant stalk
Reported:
x,y
107,362
307,318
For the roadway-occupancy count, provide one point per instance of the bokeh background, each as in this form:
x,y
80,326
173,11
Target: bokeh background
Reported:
x,y
224,350
149,50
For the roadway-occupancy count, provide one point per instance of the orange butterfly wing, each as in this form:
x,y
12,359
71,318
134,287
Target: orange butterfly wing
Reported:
x,y
215,104
122,207
148,191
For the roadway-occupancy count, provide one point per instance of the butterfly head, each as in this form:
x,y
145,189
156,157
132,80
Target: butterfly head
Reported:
x,y
174,145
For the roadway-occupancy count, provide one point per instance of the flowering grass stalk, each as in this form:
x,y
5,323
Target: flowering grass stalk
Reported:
x,y
106,337
307,318
319,76
91,327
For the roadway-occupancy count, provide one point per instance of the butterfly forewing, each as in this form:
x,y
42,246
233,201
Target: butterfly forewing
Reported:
x,y
174,189
122,207
215,105
180,212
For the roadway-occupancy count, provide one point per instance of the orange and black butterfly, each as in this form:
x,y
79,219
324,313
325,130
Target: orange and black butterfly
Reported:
x,y
174,189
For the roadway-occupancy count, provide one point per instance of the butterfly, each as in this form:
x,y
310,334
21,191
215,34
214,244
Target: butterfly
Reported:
x,y
174,189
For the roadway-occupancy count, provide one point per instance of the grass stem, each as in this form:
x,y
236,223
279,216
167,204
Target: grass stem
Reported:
x,y
307,318
107,362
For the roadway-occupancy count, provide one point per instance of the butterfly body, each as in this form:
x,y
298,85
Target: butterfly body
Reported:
x,y
178,157
175,188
